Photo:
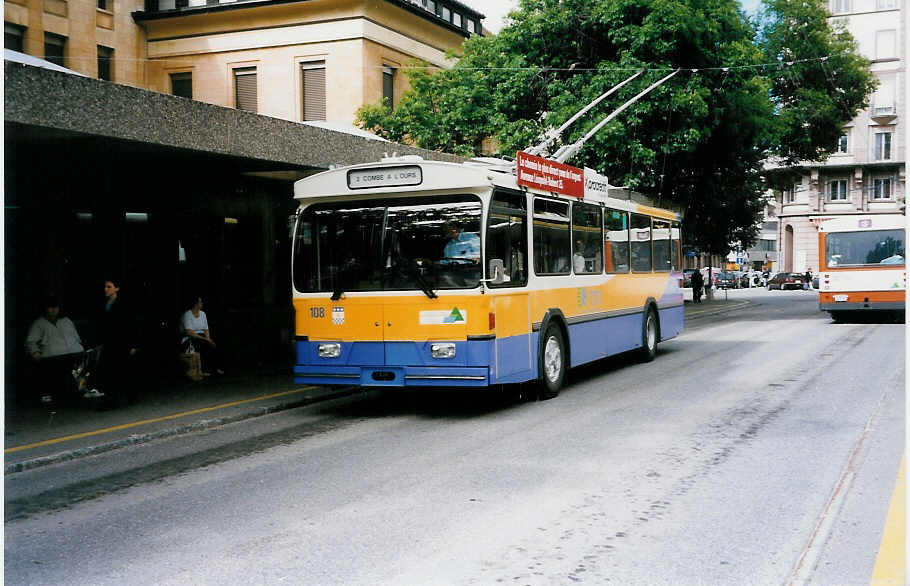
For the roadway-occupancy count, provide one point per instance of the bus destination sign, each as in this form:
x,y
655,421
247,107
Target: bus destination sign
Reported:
x,y
550,175
385,177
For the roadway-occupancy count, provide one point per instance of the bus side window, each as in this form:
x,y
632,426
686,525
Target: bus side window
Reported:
x,y
552,237
641,243
587,256
507,236
660,237
616,241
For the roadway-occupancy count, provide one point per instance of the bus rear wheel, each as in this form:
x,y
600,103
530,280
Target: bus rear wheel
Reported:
x,y
649,336
552,363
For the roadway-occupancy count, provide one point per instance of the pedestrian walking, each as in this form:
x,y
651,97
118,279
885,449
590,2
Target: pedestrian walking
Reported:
x,y
698,283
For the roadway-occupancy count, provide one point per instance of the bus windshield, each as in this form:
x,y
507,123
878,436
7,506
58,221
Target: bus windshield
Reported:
x,y
874,247
423,243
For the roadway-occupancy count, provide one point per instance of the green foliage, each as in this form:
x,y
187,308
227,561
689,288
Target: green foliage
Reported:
x,y
814,99
698,141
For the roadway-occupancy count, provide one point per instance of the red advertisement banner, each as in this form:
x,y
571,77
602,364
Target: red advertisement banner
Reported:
x,y
549,175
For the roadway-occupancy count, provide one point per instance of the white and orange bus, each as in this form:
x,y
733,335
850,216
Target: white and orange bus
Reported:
x,y
862,264
414,272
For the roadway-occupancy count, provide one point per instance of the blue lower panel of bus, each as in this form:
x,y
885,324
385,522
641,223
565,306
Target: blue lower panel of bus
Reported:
x,y
513,359
672,322
395,364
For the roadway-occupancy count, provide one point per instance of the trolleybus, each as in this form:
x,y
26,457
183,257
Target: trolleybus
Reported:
x,y
410,272
862,267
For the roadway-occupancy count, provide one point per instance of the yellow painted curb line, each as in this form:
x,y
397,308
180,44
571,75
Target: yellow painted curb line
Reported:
x,y
147,421
891,563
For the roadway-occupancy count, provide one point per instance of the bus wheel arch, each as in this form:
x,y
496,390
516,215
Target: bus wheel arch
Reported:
x,y
554,339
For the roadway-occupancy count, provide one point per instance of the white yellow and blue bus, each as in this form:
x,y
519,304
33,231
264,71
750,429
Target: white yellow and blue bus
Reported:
x,y
410,272
862,267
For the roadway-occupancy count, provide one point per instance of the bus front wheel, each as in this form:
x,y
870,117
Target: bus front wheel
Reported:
x,y
552,362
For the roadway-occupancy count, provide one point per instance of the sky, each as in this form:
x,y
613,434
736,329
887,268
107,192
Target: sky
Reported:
x,y
496,10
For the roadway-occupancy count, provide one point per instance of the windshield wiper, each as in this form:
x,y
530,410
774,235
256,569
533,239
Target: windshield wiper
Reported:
x,y
421,282
338,291
424,286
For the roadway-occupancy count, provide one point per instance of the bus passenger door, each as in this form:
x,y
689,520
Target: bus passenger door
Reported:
x,y
513,337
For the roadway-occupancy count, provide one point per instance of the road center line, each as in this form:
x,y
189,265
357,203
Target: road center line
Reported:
x,y
153,420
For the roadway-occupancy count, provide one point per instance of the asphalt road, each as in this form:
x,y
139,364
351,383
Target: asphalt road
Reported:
x,y
760,447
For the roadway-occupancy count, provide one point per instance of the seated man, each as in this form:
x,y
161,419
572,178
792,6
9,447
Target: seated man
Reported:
x,y
54,344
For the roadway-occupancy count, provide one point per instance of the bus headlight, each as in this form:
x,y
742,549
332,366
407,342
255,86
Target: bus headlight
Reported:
x,y
446,350
332,350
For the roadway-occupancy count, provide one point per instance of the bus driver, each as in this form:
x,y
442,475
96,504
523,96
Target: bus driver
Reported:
x,y
461,244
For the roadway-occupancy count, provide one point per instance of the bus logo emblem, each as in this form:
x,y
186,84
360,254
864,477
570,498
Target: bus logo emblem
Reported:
x,y
338,316
454,317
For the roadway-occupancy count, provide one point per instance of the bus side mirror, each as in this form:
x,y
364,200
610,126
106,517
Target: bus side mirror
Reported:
x,y
496,272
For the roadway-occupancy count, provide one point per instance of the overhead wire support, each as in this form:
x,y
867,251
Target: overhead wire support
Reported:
x,y
552,135
568,151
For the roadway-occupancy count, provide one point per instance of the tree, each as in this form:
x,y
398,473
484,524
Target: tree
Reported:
x,y
697,142
820,82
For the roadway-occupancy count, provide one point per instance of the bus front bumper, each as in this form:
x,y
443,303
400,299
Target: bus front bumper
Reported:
x,y
393,376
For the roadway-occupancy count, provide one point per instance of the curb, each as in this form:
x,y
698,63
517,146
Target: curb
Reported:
x,y
137,439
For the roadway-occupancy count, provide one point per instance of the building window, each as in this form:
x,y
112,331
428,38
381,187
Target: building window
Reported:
x,y
103,4
837,190
245,89
105,63
182,85
54,48
883,98
13,37
456,19
789,195
388,85
840,6
446,14
312,76
886,44
882,146
472,25
885,4
881,188
843,144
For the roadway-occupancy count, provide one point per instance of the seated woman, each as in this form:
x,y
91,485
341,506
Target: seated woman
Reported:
x,y
197,338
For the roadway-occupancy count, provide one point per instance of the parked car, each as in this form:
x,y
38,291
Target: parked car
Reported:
x,y
747,280
727,280
786,281
687,277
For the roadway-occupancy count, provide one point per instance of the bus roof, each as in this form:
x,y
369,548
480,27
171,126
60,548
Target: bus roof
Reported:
x,y
860,222
413,175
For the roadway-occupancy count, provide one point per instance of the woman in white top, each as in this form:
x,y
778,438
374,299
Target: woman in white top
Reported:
x,y
196,334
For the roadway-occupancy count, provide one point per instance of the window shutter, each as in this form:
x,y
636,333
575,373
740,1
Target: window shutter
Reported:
x,y
313,76
245,89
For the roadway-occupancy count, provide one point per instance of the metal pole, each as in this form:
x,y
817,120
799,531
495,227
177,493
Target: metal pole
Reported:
x,y
569,151
554,134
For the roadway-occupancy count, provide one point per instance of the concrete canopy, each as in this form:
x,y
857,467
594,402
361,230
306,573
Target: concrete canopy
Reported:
x,y
41,103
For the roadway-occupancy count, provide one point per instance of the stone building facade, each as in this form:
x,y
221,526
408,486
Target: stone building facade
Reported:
x,y
866,174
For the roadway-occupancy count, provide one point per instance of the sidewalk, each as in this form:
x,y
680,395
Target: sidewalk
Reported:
x,y
39,435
